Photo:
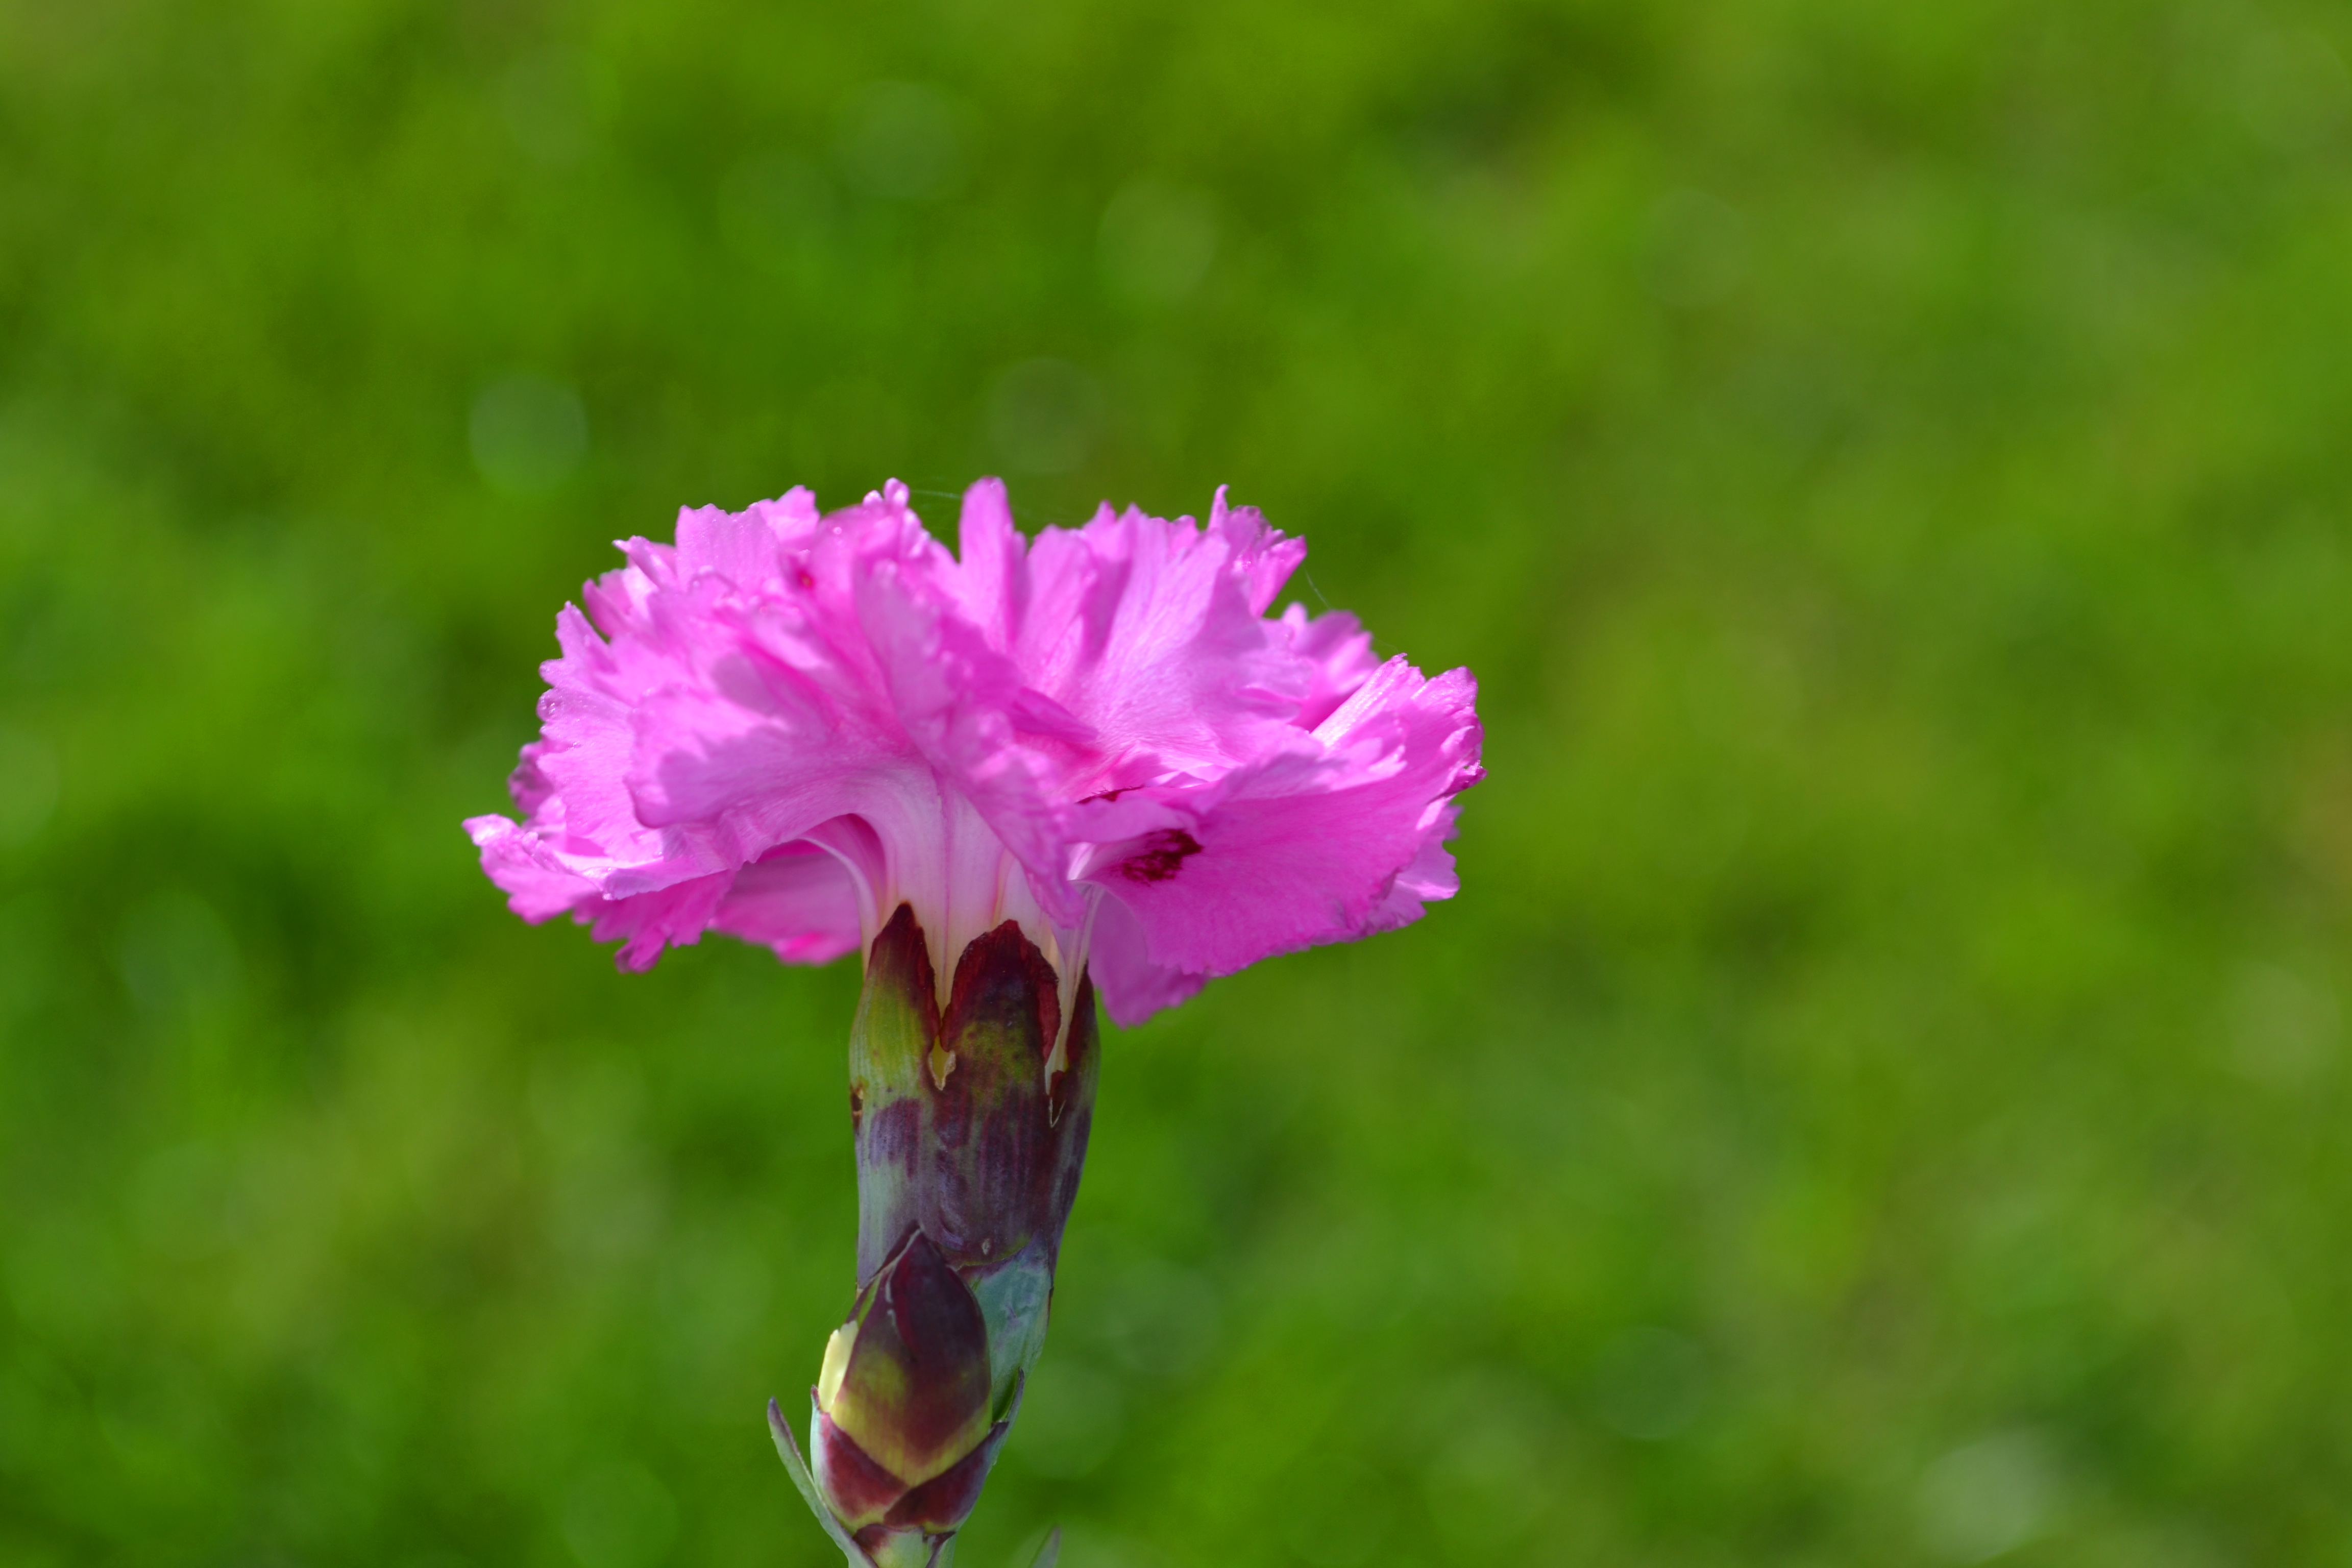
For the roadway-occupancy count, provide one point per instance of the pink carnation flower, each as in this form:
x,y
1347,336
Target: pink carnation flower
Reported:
x,y
791,722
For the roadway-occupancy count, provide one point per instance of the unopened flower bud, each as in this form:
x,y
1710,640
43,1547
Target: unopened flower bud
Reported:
x,y
903,1397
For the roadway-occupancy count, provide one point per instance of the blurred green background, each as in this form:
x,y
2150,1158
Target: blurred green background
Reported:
x,y
1879,1099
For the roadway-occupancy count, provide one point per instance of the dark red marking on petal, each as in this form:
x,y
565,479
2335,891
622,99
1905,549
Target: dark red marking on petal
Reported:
x,y
1165,851
1106,794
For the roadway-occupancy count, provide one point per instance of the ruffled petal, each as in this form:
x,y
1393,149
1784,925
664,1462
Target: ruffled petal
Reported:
x,y
1132,986
537,887
674,916
1339,654
1330,839
797,898
1148,634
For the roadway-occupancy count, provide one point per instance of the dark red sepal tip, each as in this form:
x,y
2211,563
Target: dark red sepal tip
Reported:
x,y
945,1500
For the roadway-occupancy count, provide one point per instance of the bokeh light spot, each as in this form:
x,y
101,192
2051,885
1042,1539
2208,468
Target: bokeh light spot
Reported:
x,y
1157,242
1044,417
529,433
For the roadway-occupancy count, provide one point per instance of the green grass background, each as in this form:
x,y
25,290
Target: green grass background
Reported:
x,y
1880,1097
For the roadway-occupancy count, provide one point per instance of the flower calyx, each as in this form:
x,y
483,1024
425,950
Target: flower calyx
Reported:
x,y
970,1122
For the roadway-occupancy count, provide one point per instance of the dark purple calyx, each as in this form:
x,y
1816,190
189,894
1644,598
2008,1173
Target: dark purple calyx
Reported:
x,y
970,1125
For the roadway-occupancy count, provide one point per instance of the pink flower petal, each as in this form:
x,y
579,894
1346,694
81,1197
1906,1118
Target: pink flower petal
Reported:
x,y
787,722
1317,844
797,898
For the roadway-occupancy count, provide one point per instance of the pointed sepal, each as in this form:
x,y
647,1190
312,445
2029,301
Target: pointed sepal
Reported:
x,y
788,1450
912,1391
